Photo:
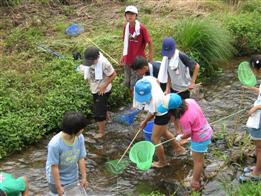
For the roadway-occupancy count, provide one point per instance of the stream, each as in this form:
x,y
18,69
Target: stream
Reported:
x,y
221,98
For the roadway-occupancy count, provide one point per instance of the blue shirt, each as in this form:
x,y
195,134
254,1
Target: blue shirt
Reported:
x,y
66,156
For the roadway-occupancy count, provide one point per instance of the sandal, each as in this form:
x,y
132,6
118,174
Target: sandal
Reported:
x,y
249,177
248,169
159,164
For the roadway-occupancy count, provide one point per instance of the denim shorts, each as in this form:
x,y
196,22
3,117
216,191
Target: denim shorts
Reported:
x,y
200,146
254,133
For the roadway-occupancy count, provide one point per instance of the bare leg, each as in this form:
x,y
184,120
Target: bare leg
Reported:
x,y
26,191
158,131
175,145
198,162
257,170
101,126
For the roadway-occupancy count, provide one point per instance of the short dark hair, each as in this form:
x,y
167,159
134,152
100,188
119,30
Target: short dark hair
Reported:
x,y
255,61
2,193
91,53
178,112
139,63
73,122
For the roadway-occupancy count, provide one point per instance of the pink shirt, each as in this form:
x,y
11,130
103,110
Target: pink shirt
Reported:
x,y
194,122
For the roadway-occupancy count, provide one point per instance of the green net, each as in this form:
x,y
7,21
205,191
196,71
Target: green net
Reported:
x,y
115,167
142,154
245,74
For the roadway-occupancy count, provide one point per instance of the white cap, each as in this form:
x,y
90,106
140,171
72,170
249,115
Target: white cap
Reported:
x,y
131,9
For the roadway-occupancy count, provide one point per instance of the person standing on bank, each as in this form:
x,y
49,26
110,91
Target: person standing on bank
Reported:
x,y
135,39
175,69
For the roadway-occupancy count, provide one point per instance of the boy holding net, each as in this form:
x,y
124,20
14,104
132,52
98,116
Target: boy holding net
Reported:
x,y
148,95
193,124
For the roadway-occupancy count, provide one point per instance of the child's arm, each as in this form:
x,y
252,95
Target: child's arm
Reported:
x,y
56,177
150,51
254,89
104,85
82,166
254,109
194,77
147,119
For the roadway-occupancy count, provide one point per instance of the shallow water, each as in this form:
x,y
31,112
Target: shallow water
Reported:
x,y
221,98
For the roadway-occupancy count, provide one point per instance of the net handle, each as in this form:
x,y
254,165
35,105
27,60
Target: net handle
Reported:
x,y
129,146
209,123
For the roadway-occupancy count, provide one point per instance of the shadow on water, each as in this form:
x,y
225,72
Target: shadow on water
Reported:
x,y
219,99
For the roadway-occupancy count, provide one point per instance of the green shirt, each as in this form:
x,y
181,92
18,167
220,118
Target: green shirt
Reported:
x,y
10,185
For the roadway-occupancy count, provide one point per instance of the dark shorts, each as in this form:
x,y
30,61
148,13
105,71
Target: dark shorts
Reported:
x,y
162,120
184,94
100,108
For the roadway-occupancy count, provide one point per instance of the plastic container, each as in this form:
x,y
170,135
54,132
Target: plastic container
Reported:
x,y
74,189
147,131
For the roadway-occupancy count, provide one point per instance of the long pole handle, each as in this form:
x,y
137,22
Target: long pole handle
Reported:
x,y
102,50
209,123
129,146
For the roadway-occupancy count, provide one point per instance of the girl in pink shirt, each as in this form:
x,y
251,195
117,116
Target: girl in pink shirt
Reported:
x,y
192,124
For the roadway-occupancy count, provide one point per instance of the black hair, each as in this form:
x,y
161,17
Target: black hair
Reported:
x,y
91,53
255,61
178,112
73,122
2,193
139,63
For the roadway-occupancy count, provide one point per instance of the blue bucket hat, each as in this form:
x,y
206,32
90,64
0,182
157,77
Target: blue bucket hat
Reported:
x,y
170,101
168,47
142,91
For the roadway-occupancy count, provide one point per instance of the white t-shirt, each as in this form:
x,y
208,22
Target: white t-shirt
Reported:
x,y
254,121
156,94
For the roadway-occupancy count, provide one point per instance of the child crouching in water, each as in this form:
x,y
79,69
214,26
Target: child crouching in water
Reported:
x,y
193,124
66,153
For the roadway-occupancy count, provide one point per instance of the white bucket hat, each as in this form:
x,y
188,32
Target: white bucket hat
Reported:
x,y
131,9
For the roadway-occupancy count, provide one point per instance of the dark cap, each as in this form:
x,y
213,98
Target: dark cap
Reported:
x,y
90,55
168,47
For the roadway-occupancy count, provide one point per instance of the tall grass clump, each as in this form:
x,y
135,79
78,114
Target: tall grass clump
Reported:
x,y
206,41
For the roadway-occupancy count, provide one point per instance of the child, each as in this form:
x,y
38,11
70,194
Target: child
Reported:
x,y
135,37
175,69
66,153
193,124
254,125
13,186
100,74
148,95
143,68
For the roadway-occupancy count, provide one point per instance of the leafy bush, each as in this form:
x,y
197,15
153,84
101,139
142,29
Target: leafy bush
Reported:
x,y
251,6
206,41
246,30
33,104
9,2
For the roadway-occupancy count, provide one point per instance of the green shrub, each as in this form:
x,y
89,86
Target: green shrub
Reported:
x,y
206,41
246,30
251,6
9,2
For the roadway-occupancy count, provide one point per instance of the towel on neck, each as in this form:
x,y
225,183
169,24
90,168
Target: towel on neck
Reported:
x,y
172,63
150,69
98,67
127,34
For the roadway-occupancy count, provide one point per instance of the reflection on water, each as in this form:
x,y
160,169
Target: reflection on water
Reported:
x,y
219,99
